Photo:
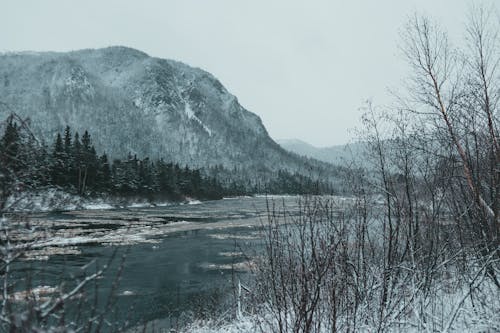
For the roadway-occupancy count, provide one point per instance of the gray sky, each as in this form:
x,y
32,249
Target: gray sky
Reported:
x,y
305,67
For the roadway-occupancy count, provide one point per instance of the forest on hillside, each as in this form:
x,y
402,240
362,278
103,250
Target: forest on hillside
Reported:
x,y
72,164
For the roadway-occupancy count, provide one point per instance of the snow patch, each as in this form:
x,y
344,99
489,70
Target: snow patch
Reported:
x,y
230,236
54,199
139,205
190,114
78,81
239,266
179,223
231,254
97,206
41,294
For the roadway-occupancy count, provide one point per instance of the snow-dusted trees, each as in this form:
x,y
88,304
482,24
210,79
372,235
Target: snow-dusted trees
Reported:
x,y
418,246
453,96
23,160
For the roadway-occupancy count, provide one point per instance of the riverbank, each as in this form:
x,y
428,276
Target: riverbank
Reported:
x,y
56,200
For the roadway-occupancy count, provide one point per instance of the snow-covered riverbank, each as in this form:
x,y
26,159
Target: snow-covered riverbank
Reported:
x,y
52,199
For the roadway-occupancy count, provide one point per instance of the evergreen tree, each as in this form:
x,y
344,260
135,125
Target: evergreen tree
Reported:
x,y
88,163
58,168
74,164
67,140
76,170
162,176
103,177
10,145
23,162
68,155
119,176
93,167
145,176
9,166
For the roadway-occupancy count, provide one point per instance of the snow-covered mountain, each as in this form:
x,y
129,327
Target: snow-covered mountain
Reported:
x,y
133,103
337,155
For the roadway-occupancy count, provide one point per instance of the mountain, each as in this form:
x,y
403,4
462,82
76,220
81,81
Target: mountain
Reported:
x,y
336,155
134,103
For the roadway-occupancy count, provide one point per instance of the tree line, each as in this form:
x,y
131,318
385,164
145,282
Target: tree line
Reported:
x,y
72,163
76,166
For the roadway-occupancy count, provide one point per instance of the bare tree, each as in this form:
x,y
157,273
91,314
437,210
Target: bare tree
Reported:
x,y
456,93
417,247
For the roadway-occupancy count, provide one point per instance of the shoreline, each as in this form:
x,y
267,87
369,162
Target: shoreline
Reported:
x,y
54,200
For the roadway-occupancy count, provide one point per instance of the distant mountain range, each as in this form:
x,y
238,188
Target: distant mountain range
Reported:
x,y
134,103
340,155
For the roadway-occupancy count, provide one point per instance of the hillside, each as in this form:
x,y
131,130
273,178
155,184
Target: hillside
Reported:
x,y
336,155
134,103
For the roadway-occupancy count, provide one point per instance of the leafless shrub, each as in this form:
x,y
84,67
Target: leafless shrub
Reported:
x,y
417,248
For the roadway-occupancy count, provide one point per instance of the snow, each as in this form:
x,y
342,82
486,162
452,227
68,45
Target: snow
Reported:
x,y
97,206
243,266
43,201
238,197
78,82
231,254
49,236
231,236
164,204
190,114
139,205
245,324
40,293
53,199
469,319
179,223
177,107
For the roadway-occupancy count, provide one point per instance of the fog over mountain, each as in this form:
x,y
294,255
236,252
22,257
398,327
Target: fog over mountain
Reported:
x,y
133,103
337,155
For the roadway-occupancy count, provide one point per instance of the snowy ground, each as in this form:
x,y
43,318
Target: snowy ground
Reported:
x,y
448,311
57,200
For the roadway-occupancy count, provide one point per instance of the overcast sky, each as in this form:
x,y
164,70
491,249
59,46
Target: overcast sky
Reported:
x,y
305,67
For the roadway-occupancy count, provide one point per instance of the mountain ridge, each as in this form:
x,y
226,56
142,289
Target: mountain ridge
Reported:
x,y
339,155
141,105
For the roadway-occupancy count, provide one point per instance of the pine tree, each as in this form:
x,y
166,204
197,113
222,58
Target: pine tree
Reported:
x,y
119,173
92,164
103,177
88,164
68,156
10,145
76,159
145,176
74,164
67,140
9,166
58,167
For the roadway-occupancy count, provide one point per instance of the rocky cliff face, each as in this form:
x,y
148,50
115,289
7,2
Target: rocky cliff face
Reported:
x,y
133,103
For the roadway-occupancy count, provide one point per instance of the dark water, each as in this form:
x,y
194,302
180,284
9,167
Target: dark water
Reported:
x,y
184,274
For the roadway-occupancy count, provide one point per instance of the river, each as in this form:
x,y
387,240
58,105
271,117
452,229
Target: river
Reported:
x,y
179,260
